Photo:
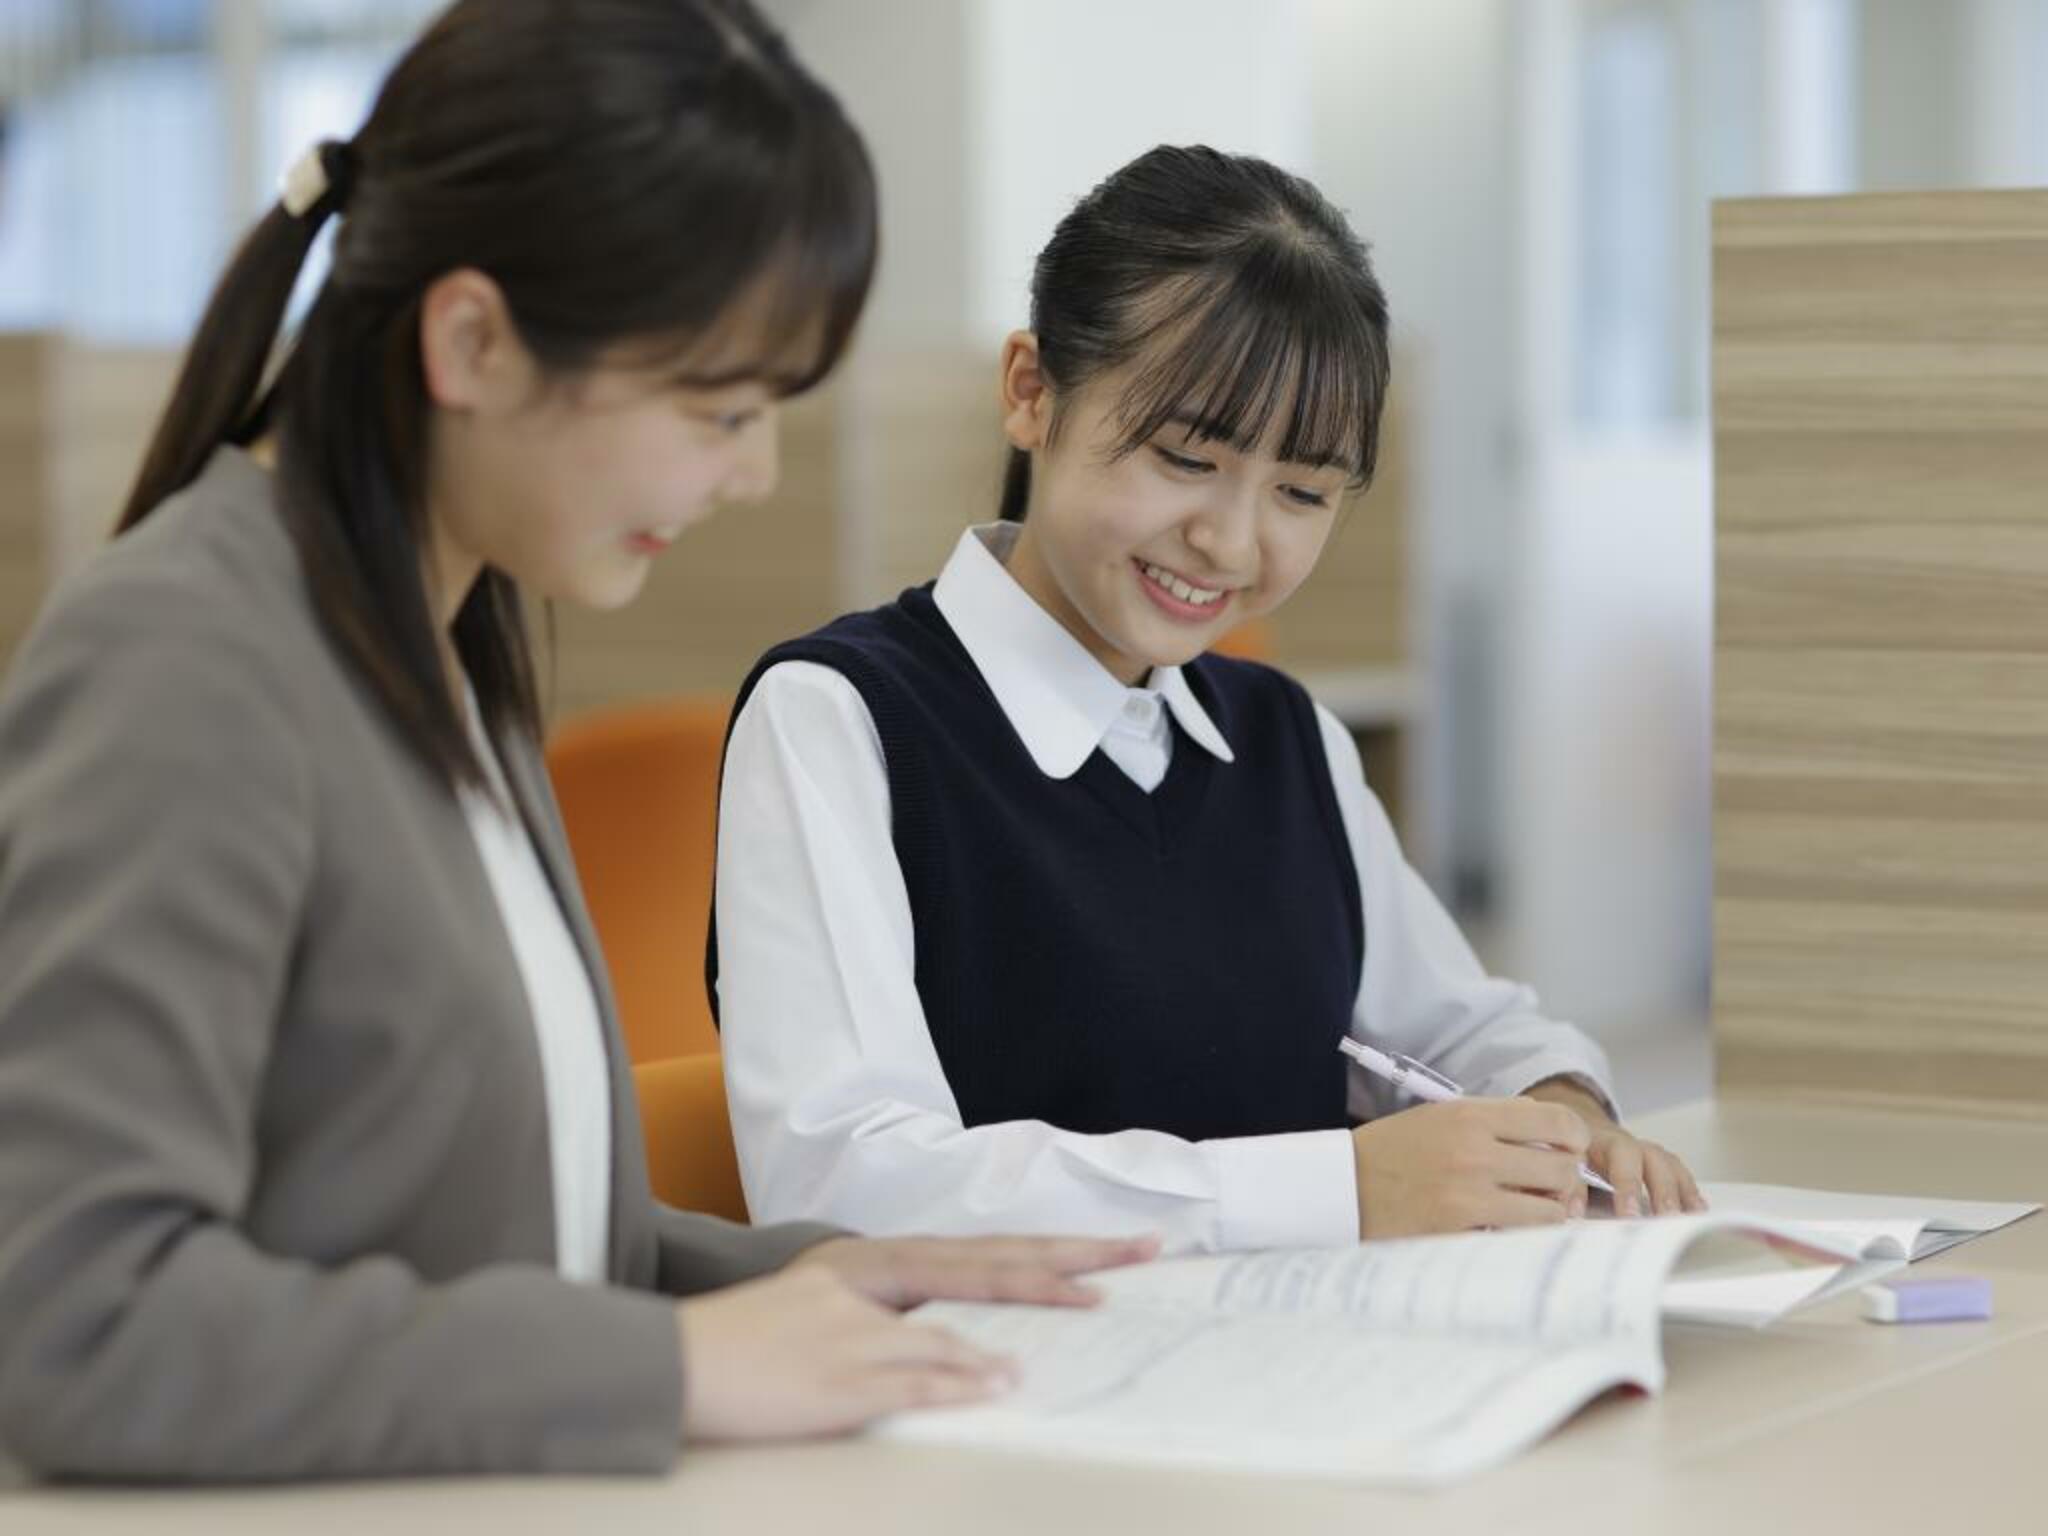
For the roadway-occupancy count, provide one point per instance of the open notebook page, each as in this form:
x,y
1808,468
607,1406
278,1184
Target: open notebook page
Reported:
x,y
1414,1361
1920,1224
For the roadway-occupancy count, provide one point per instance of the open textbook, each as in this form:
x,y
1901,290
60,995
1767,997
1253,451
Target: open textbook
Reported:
x,y
1417,1361
1887,1231
1919,1224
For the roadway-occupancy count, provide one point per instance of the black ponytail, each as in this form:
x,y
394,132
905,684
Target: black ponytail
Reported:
x,y
1233,290
214,400
626,171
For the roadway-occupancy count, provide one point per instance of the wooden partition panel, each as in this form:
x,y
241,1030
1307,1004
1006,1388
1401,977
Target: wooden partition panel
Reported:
x,y
74,417
104,402
25,476
1881,649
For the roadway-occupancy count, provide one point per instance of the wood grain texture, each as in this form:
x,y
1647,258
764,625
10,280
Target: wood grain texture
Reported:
x,y
74,417
25,473
1881,648
104,403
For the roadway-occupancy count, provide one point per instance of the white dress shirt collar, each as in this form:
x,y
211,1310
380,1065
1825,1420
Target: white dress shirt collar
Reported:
x,y
1059,699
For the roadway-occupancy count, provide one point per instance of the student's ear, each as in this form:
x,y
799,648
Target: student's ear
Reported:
x,y
471,353
1026,397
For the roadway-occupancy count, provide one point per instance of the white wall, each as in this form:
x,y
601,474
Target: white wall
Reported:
x,y
1412,137
1604,848
989,118
1074,88
1606,838
909,75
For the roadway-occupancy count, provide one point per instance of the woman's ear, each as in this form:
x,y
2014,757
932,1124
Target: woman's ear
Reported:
x,y
471,353
1025,395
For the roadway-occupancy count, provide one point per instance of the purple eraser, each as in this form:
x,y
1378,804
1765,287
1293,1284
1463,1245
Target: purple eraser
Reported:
x,y
1928,1299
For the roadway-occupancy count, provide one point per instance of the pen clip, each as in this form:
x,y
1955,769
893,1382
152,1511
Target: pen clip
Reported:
x,y
1410,1067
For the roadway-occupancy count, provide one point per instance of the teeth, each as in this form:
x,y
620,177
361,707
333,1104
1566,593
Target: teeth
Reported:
x,y
1201,597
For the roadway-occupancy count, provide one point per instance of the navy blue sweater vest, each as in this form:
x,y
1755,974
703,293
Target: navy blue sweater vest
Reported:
x,y
1093,956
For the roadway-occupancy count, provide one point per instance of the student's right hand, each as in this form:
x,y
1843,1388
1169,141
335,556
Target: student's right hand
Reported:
x,y
800,1353
1468,1163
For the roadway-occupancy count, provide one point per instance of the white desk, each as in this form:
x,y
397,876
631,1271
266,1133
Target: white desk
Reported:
x,y
1825,1423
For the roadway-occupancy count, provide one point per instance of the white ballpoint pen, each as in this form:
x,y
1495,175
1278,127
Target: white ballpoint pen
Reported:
x,y
1424,1082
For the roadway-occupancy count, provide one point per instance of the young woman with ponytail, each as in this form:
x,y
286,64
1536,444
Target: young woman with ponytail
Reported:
x,y
321,1156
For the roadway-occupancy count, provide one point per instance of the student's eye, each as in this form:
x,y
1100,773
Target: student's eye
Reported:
x,y
729,422
1302,496
1186,463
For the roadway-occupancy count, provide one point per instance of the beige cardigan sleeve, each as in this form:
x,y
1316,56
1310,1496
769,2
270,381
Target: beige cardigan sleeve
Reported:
x,y
155,839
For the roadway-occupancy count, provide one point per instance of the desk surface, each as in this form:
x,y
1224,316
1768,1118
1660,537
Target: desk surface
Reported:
x,y
1824,1423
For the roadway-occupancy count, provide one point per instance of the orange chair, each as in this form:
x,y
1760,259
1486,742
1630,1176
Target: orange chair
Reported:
x,y
688,1133
639,793
1250,641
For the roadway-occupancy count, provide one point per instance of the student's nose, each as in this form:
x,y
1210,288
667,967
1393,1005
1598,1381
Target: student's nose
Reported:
x,y
757,465
1225,533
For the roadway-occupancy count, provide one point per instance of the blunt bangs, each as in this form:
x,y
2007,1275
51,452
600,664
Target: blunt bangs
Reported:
x,y
1275,340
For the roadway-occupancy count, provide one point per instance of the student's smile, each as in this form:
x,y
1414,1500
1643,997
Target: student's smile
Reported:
x,y
1180,597
651,541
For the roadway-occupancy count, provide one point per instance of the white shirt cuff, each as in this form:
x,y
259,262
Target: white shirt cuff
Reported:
x,y
1298,1190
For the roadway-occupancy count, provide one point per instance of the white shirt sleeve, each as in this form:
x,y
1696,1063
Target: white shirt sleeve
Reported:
x,y
841,1110
1423,992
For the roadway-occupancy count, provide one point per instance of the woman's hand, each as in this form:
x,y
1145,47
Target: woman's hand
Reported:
x,y
1647,1178
801,1353
903,1271
819,1349
1468,1163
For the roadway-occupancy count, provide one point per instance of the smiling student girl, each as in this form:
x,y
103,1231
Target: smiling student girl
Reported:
x,y
320,1151
1031,913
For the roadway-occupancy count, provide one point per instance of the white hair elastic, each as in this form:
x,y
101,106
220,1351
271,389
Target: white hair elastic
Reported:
x,y
305,181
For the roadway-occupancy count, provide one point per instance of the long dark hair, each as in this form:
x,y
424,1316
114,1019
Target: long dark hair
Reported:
x,y
625,171
1236,288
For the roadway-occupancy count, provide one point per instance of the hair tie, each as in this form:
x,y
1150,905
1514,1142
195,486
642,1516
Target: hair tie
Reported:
x,y
320,179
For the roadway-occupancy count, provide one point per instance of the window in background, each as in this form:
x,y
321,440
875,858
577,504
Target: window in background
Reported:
x,y
38,43
325,62
112,190
1626,361
2007,102
122,150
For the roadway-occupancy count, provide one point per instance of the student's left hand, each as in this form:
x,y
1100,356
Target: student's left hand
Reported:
x,y
903,1271
1647,1179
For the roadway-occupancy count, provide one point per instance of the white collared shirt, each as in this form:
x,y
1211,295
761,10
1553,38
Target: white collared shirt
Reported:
x,y
841,1110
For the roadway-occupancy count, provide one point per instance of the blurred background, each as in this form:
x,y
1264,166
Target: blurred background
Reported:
x,y
1516,620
